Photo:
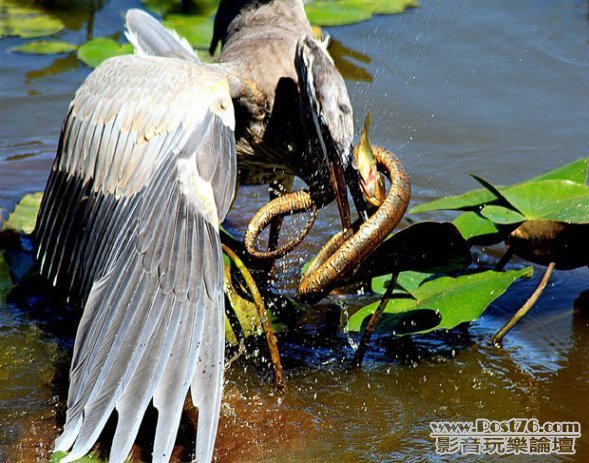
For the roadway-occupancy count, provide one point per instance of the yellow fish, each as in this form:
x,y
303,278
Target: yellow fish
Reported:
x,y
371,181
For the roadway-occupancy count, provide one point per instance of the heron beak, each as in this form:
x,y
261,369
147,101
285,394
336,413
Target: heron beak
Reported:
x,y
338,180
371,181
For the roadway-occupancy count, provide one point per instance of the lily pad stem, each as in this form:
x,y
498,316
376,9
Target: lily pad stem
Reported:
x,y
372,323
279,380
498,338
504,260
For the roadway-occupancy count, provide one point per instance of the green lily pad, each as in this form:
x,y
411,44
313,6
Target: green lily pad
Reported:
x,y
502,215
161,7
559,200
245,311
197,29
45,47
575,172
95,51
476,229
164,7
392,6
343,12
26,20
407,282
426,246
464,202
338,12
230,336
441,303
23,219
57,456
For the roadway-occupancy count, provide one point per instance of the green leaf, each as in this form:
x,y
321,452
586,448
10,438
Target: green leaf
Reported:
x,y
467,201
197,29
441,303
230,336
392,6
164,7
407,282
245,310
559,200
337,13
161,7
342,12
57,456
95,51
26,20
502,215
473,226
575,172
45,47
23,219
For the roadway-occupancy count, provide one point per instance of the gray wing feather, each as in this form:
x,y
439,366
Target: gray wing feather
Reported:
x,y
138,227
151,38
207,383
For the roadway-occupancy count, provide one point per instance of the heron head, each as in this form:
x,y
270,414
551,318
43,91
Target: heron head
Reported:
x,y
371,181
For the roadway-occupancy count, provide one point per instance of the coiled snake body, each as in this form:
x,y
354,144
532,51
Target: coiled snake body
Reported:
x,y
343,252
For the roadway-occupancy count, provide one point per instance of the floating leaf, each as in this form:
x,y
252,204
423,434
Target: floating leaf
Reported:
x,y
391,6
441,303
95,51
502,215
575,172
23,219
560,200
45,47
57,456
342,12
467,201
26,20
337,13
162,7
197,29
245,310
230,336
425,246
477,229
407,282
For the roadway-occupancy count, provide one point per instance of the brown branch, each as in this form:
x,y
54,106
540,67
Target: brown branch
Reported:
x,y
372,323
498,338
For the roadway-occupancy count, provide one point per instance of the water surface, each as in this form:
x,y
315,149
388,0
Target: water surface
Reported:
x,y
497,88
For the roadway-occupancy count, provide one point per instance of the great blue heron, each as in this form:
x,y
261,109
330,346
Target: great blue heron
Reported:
x,y
145,171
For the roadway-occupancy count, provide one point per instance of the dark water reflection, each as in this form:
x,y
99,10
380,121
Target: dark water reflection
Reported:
x,y
497,88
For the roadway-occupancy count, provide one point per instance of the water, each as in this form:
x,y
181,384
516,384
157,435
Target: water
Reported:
x,y
497,88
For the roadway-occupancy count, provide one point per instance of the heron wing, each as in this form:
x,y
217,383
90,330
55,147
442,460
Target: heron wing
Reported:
x,y
144,172
150,38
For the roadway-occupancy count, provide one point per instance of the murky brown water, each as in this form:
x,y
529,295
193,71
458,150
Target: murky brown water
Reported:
x,y
497,88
